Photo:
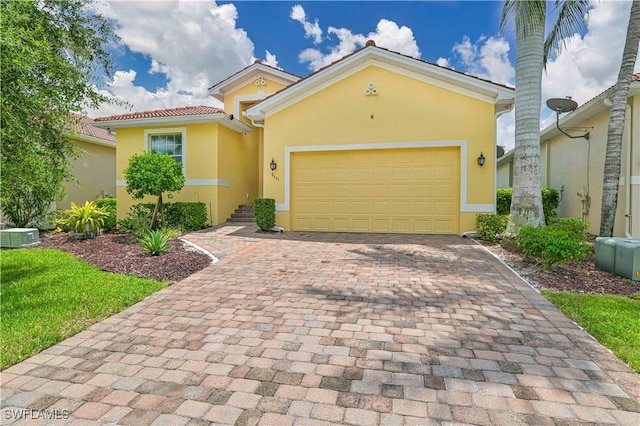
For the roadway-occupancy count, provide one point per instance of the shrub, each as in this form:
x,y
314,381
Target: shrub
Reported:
x,y
574,225
503,200
109,205
59,218
265,211
550,202
490,226
155,243
185,216
87,219
553,244
153,174
138,220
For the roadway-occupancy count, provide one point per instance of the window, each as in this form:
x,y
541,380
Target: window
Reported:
x,y
167,144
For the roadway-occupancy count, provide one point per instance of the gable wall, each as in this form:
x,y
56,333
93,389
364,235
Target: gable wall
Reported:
x,y
404,110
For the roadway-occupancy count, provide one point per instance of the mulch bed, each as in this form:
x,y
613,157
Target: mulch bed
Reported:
x,y
576,277
121,253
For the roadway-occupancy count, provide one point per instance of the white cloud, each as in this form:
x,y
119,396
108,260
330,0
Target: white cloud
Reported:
x,y
194,44
270,59
311,30
589,65
486,58
387,34
443,62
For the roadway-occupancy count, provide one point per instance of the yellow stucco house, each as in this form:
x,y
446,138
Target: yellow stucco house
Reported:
x,y
575,167
95,170
375,142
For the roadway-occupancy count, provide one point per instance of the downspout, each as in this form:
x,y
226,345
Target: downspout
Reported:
x,y
627,175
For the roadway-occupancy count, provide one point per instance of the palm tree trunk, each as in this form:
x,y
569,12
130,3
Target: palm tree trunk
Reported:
x,y
613,157
526,202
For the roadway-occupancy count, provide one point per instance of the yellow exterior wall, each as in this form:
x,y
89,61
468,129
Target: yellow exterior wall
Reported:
x,y
250,88
96,174
201,162
238,156
341,114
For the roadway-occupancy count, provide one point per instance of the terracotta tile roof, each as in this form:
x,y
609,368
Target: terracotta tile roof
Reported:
x,y
371,43
169,112
83,125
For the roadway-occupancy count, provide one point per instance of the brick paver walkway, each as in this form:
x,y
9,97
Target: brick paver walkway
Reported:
x,y
331,328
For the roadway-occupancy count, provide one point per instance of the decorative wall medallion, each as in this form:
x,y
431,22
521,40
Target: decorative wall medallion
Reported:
x,y
260,81
371,89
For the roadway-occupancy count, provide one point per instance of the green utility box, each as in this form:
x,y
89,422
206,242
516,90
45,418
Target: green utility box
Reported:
x,y
19,237
606,253
628,259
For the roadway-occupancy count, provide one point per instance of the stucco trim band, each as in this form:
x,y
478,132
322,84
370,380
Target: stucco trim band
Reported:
x,y
462,144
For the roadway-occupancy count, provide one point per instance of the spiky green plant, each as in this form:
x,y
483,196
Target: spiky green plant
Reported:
x,y
87,219
155,243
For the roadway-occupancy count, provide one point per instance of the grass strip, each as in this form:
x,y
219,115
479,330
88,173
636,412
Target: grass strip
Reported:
x,y
613,320
47,295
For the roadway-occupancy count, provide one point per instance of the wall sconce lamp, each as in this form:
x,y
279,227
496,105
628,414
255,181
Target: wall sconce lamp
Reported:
x,y
560,106
481,160
273,165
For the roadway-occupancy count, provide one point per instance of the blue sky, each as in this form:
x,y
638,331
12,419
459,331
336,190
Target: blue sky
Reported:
x,y
171,51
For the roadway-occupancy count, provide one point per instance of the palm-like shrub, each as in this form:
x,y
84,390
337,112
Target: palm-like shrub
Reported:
x,y
155,243
87,219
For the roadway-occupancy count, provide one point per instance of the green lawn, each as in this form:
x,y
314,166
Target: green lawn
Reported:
x,y
47,295
613,320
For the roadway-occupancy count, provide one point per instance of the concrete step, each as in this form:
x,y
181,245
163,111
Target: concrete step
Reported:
x,y
241,215
241,219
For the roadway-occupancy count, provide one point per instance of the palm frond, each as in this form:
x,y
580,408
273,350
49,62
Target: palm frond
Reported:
x,y
572,16
527,15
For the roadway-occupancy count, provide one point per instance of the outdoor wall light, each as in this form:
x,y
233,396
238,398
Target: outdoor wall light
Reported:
x,y
481,160
273,165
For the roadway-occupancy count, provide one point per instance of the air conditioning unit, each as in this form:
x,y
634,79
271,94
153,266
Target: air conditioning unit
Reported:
x,y
606,253
19,237
628,259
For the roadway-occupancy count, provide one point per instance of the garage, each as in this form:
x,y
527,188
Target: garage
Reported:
x,y
414,190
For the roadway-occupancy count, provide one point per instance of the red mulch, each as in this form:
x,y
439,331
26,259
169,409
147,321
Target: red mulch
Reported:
x,y
121,253
576,277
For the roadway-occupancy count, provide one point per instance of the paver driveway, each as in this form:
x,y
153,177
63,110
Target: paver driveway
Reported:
x,y
341,328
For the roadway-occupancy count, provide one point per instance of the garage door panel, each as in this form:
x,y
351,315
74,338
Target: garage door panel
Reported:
x,y
400,191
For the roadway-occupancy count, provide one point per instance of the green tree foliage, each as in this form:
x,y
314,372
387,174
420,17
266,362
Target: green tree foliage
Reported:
x,y
53,52
153,174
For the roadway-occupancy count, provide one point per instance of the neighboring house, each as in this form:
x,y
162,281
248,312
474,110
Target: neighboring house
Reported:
x,y
95,170
575,167
377,142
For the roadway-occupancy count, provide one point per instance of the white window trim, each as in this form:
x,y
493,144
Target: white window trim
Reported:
x,y
247,98
465,207
173,130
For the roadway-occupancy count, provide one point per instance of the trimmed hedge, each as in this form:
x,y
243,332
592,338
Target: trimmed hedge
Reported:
x,y
185,216
265,211
550,201
109,204
490,226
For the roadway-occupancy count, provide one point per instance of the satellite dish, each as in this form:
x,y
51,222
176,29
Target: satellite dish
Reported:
x,y
562,105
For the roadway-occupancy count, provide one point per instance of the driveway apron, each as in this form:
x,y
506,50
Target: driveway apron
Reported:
x,y
321,328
